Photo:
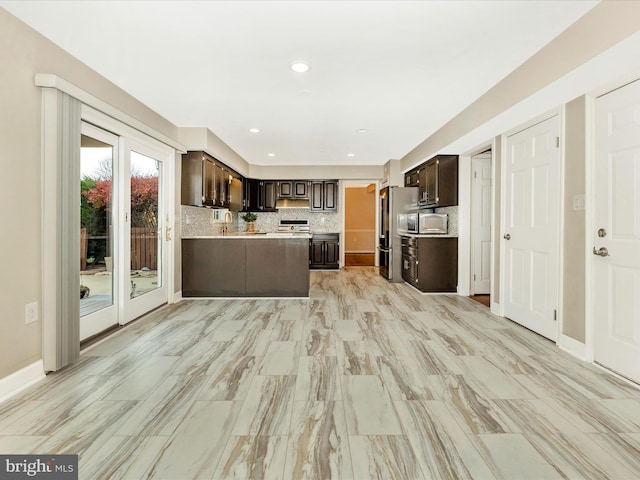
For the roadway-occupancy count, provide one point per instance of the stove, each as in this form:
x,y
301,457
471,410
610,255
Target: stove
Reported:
x,y
293,226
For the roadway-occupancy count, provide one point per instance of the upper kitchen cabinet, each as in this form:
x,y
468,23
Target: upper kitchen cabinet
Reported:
x,y
251,193
205,181
267,196
442,181
412,178
437,180
293,189
324,195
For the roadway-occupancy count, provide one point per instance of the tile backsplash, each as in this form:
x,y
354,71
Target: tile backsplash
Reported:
x,y
207,221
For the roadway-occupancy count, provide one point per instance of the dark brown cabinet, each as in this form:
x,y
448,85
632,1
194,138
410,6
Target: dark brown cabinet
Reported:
x,y
296,189
267,196
437,180
324,251
430,264
251,194
205,181
411,178
324,195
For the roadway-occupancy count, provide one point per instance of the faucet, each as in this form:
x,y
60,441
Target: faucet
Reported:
x,y
227,217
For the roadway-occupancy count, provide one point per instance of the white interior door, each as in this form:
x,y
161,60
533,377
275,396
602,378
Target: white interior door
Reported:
x,y
481,218
616,274
530,237
146,228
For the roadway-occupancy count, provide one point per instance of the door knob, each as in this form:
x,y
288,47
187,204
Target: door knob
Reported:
x,y
602,252
507,236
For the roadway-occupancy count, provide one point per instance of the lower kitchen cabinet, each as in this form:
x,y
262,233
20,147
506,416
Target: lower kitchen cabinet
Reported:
x,y
238,267
431,264
324,251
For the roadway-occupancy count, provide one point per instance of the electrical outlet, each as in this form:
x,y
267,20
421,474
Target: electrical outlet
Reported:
x,y
31,312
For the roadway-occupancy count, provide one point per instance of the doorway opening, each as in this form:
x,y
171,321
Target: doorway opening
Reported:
x,y
481,207
360,225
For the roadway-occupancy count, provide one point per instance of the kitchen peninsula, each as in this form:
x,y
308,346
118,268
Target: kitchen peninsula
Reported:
x,y
246,265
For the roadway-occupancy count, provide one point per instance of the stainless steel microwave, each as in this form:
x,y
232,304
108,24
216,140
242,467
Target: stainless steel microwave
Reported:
x,y
433,223
408,222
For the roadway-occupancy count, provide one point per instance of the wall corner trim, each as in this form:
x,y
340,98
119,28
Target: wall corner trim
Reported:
x,y
177,297
20,380
575,348
50,80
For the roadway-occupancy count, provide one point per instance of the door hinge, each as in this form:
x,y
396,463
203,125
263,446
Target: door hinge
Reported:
x,y
557,142
474,276
555,315
475,174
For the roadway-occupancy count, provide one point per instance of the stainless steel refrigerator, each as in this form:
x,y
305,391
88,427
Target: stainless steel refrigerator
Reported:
x,y
393,200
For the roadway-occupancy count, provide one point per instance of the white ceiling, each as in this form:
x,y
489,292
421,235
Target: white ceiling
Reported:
x,y
399,69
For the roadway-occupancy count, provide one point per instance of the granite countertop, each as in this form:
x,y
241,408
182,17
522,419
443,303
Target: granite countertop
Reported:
x,y
249,235
426,235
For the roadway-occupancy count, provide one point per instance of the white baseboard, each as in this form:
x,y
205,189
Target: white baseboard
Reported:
x,y
574,347
177,297
20,380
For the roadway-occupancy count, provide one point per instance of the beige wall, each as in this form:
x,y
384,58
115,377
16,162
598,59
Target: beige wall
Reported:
x,y
25,53
573,248
360,219
601,28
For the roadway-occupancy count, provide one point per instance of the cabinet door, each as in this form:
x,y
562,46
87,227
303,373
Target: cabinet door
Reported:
x,y
431,172
208,182
317,196
332,254
192,179
221,186
251,195
448,180
330,196
225,194
268,195
285,189
422,186
316,254
301,189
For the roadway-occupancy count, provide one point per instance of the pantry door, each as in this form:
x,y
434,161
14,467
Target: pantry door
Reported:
x,y
531,232
615,263
146,228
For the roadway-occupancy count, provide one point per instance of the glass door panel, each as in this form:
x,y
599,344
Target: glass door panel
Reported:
x,y
146,244
98,154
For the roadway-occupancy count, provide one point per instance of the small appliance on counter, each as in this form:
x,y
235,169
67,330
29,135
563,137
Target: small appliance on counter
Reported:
x,y
433,223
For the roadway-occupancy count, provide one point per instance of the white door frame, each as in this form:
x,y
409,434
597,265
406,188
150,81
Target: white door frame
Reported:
x,y
503,210
110,124
344,184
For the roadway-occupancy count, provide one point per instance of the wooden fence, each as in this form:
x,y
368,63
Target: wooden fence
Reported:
x,y
144,248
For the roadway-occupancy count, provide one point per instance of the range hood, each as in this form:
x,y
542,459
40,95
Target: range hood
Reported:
x,y
292,203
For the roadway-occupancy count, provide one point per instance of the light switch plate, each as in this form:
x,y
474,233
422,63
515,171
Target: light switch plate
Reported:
x,y
578,202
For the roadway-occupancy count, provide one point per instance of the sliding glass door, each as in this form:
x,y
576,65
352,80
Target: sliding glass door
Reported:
x,y
145,285
98,250
124,229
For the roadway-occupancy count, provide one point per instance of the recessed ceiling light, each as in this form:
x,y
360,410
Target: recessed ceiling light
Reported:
x,y
300,67
362,130
351,154
254,130
305,92
271,154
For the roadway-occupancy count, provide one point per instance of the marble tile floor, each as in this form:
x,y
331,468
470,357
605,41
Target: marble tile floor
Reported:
x,y
363,380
